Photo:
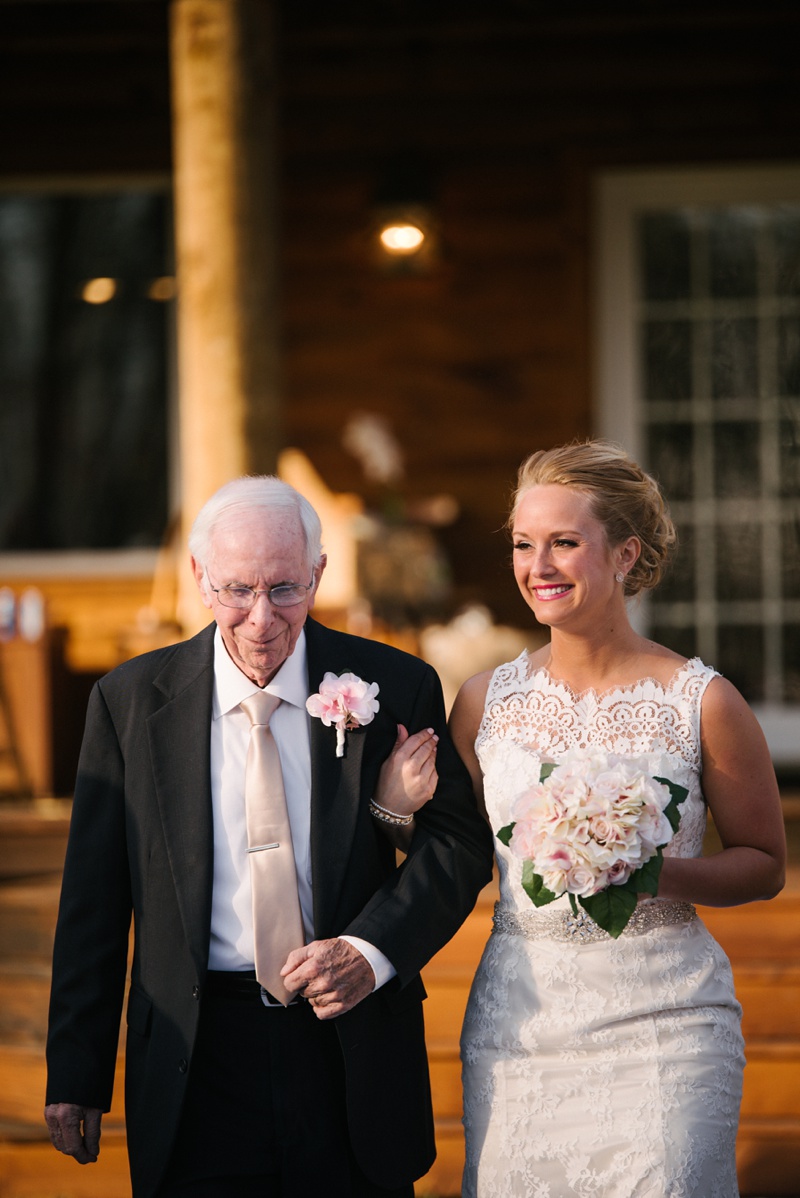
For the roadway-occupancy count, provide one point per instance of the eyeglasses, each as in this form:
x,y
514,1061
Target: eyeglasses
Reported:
x,y
243,598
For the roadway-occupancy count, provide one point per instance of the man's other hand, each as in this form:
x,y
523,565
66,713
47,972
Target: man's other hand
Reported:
x,y
74,1130
332,974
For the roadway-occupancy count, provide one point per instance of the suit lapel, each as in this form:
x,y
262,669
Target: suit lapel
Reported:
x,y
179,735
335,788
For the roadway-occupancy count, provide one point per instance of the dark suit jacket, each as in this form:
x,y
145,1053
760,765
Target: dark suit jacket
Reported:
x,y
141,844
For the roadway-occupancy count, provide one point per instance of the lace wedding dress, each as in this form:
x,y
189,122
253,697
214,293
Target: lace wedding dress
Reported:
x,y
592,1066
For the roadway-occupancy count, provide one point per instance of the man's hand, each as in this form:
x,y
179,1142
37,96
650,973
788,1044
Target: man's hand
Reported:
x,y
332,974
408,776
74,1130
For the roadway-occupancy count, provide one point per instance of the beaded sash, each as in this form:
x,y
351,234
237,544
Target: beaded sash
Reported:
x,y
581,929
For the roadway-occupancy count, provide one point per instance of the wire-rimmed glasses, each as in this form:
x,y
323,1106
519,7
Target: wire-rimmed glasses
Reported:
x,y
244,598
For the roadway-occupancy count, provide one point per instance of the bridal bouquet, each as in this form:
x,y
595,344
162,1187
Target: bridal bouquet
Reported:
x,y
594,828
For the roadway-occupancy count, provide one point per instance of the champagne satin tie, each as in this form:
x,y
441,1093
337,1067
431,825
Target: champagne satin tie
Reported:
x,y
277,921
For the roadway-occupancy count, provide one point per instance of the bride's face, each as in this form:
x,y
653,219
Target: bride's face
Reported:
x,y
563,564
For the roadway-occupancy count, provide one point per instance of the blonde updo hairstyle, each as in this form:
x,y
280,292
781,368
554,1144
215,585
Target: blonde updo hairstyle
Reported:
x,y
626,500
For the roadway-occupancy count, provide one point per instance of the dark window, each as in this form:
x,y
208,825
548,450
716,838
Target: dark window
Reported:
x,y
83,370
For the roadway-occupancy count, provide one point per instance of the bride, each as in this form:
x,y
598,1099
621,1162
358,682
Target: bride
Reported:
x,y
591,1065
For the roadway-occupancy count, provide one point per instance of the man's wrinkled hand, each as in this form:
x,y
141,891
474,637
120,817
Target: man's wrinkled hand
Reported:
x,y
331,974
74,1130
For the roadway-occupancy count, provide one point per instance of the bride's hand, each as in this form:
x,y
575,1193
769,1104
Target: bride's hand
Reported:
x,y
408,776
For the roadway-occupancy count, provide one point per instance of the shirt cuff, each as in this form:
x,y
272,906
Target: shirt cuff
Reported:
x,y
381,966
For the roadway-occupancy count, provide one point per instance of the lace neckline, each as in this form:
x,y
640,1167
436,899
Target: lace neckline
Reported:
x,y
529,673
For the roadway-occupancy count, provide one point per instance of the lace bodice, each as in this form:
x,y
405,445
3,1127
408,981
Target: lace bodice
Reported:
x,y
531,717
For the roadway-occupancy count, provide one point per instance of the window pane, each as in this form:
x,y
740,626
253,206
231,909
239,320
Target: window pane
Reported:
x,y
667,359
679,579
736,460
680,640
83,424
789,356
789,449
665,256
734,361
669,450
741,657
732,255
739,571
791,655
790,559
786,237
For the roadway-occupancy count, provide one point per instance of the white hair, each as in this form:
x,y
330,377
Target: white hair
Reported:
x,y
254,493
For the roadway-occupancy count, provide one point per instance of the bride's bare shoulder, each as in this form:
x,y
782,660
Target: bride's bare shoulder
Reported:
x,y
472,694
659,662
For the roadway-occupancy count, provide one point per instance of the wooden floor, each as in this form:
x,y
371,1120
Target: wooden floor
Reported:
x,y
763,941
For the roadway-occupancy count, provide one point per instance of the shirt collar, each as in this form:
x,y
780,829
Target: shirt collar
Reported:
x,y
231,685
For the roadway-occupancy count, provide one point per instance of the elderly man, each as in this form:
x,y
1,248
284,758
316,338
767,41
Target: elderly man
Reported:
x,y
275,1035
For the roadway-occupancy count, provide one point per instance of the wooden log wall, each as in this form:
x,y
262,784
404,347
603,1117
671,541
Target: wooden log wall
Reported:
x,y
508,109
513,108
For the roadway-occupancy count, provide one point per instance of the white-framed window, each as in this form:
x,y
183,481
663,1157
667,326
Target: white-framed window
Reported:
x,y
697,350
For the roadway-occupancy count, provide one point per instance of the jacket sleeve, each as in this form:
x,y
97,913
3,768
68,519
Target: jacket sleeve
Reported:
x,y
91,940
424,902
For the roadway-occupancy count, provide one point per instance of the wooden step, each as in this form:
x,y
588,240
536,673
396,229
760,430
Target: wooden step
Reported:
x,y
37,1171
770,998
771,1082
757,932
768,1158
767,1161
28,912
33,837
444,1178
750,934
769,994
22,1087
24,998
765,1157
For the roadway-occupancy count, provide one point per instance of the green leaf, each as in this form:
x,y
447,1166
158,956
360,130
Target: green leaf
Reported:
x,y
534,887
645,878
611,908
547,769
678,794
504,835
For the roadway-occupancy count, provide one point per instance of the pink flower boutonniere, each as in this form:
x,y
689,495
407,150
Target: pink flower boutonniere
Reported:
x,y
346,702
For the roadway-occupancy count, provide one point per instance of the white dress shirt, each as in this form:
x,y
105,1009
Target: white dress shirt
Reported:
x,y
231,946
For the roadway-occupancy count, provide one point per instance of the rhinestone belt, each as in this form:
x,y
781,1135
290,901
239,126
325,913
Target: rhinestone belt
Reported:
x,y
581,929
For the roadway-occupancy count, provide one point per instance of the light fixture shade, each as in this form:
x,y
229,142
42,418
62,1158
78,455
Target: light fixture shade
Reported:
x,y
404,232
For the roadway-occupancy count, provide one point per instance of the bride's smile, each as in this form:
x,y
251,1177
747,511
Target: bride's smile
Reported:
x,y
562,561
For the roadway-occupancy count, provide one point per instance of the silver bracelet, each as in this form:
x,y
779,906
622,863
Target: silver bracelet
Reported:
x,y
389,817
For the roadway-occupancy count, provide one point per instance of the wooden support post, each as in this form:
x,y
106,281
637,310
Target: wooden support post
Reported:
x,y
225,218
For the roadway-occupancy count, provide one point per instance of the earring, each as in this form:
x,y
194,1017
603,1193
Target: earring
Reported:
x,y
620,577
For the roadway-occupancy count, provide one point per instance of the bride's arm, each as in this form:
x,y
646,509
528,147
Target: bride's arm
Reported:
x,y
406,782
465,719
742,793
